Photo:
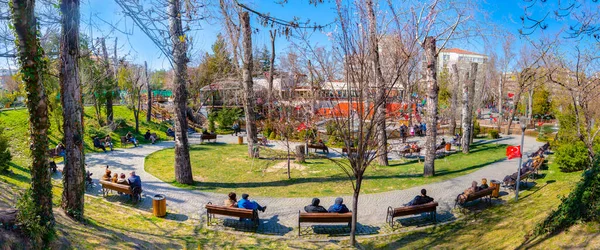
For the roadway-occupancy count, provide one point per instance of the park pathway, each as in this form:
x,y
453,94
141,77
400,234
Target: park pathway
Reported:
x,y
282,213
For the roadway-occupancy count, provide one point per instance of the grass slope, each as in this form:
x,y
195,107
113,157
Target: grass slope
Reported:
x,y
504,226
223,168
16,126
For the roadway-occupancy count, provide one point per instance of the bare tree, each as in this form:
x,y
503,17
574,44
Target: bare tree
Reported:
x,y
249,98
379,84
149,96
183,167
74,169
31,58
468,87
432,105
132,79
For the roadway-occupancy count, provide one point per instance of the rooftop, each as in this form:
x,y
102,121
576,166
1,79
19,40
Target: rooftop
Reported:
x,y
461,51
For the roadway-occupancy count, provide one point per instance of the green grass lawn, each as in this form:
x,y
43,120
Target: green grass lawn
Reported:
x,y
16,126
504,226
224,168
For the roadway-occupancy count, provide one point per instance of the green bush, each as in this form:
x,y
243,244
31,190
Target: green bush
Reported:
x,y
29,220
330,127
226,117
476,128
494,134
211,121
272,135
100,132
572,156
5,156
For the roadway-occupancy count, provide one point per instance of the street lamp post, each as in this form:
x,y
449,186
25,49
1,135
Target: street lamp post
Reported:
x,y
523,123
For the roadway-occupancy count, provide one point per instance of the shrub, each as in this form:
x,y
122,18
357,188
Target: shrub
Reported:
x,y
330,127
272,135
572,156
29,220
494,134
5,156
100,132
476,128
211,121
226,117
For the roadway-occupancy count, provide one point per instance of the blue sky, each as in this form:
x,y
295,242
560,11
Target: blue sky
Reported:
x,y
502,13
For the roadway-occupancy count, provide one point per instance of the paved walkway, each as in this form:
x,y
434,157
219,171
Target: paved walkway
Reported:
x,y
282,213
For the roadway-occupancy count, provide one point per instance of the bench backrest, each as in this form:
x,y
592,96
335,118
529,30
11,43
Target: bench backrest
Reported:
x,y
208,136
114,186
479,194
325,217
408,210
230,211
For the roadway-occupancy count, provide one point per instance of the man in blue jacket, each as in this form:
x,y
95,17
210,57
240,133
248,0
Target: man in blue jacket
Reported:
x,y
247,204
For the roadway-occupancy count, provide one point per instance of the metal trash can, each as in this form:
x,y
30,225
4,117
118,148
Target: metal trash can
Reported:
x,y
240,140
496,185
448,146
159,205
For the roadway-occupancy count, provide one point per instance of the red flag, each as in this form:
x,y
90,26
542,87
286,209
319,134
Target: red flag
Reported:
x,y
510,95
301,127
513,152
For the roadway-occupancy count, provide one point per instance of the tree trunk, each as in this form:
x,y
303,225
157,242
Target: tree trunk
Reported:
x,y
74,169
454,102
500,109
31,57
530,105
271,74
379,113
355,211
432,105
472,82
149,89
248,84
183,168
110,87
300,158
466,127
516,102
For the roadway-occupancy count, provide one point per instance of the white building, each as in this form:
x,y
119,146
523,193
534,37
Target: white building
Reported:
x,y
451,56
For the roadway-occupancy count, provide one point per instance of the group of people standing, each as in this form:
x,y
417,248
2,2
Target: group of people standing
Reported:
x,y
417,129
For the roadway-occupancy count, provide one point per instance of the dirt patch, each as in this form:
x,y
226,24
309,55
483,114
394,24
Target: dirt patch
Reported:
x,y
283,165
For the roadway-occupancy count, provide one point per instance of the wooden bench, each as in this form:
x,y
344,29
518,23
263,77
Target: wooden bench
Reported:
x,y
316,147
410,210
485,194
323,218
208,137
124,141
108,186
241,213
345,150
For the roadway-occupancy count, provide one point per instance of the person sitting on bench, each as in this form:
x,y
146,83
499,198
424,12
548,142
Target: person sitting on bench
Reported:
x,y
463,197
338,206
414,146
321,144
106,176
135,184
484,184
231,200
314,207
122,179
60,149
406,147
420,199
150,137
108,142
131,139
247,204
98,144
442,144
170,132
115,178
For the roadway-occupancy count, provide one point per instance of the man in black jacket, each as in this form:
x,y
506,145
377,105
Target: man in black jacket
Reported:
x,y
314,207
420,199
